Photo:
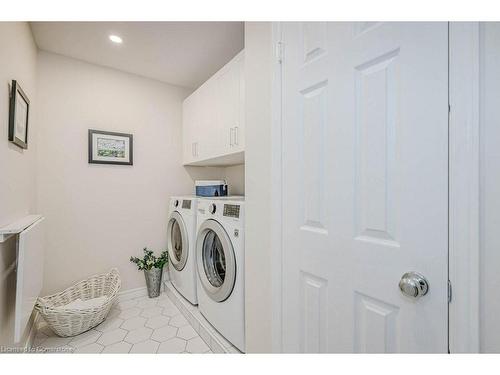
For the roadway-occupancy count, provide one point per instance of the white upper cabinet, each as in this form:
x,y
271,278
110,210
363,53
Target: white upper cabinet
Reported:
x,y
188,127
213,118
229,105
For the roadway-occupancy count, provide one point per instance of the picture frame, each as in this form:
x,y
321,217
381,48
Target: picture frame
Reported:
x,y
110,147
18,115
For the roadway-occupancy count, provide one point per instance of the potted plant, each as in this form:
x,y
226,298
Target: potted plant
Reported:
x,y
153,270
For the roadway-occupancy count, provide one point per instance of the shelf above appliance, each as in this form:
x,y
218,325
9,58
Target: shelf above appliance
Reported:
x,y
17,226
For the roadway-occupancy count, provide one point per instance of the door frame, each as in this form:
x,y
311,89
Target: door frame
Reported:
x,y
276,221
464,186
464,152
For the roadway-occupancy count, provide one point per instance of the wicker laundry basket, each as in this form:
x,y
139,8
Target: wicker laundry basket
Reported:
x,y
71,322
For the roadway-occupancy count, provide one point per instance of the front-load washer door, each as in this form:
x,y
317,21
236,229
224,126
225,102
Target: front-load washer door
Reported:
x,y
177,241
215,260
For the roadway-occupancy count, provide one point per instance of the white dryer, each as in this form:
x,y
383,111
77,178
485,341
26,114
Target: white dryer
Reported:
x,y
181,240
220,259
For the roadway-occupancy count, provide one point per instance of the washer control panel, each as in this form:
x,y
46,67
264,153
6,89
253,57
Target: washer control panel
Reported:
x,y
231,210
186,203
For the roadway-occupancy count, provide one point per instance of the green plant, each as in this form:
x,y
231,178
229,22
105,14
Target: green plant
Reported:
x,y
149,261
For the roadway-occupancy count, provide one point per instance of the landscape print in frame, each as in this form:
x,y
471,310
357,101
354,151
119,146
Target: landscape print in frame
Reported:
x,y
110,147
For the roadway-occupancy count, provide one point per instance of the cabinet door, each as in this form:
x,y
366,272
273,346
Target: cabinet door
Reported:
x,y
191,127
228,103
239,131
188,122
207,133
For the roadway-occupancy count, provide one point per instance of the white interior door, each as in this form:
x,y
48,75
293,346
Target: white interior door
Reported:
x,y
365,167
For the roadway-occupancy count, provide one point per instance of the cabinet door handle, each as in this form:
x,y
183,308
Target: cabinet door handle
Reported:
x,y
192,149
196,149
236,135
231,137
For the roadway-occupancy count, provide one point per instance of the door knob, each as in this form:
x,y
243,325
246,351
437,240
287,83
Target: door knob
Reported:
x,y
413,285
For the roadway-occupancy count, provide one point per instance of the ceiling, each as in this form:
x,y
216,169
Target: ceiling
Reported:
x,y
180,53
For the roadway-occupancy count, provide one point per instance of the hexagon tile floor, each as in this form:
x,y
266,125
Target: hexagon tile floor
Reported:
x,y
140,325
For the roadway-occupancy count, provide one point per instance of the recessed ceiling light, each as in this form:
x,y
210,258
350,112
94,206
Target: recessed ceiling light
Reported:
x,y
115,39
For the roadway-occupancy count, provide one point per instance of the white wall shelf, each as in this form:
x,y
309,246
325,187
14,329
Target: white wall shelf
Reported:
x,y
17,227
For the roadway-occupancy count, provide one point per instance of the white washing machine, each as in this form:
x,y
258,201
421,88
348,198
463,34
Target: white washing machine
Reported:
x,y
181,240
220,260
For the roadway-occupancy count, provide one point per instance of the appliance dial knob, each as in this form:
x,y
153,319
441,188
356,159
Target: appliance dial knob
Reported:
x,y
212,208
176,203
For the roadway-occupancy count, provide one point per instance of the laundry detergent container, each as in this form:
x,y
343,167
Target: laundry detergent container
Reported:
x,y
211,188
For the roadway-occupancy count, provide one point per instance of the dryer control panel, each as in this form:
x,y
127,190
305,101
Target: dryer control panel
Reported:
x,y
231,210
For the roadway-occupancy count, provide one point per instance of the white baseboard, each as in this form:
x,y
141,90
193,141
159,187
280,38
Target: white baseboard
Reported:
x,y
129,294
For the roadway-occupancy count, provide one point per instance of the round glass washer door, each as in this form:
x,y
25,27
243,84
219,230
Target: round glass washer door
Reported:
x,y
215,260
177,241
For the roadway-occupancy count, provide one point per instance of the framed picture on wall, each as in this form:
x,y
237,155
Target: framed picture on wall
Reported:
x,y
19,108
110,148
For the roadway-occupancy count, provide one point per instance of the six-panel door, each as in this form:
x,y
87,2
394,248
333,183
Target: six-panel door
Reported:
x,y
365,166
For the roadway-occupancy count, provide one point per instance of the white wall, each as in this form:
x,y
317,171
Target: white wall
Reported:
x,y
235,178
100,215
259,178
490,187
97,215
18,56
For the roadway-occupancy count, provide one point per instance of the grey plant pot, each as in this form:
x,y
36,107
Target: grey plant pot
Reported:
x,y
153,281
